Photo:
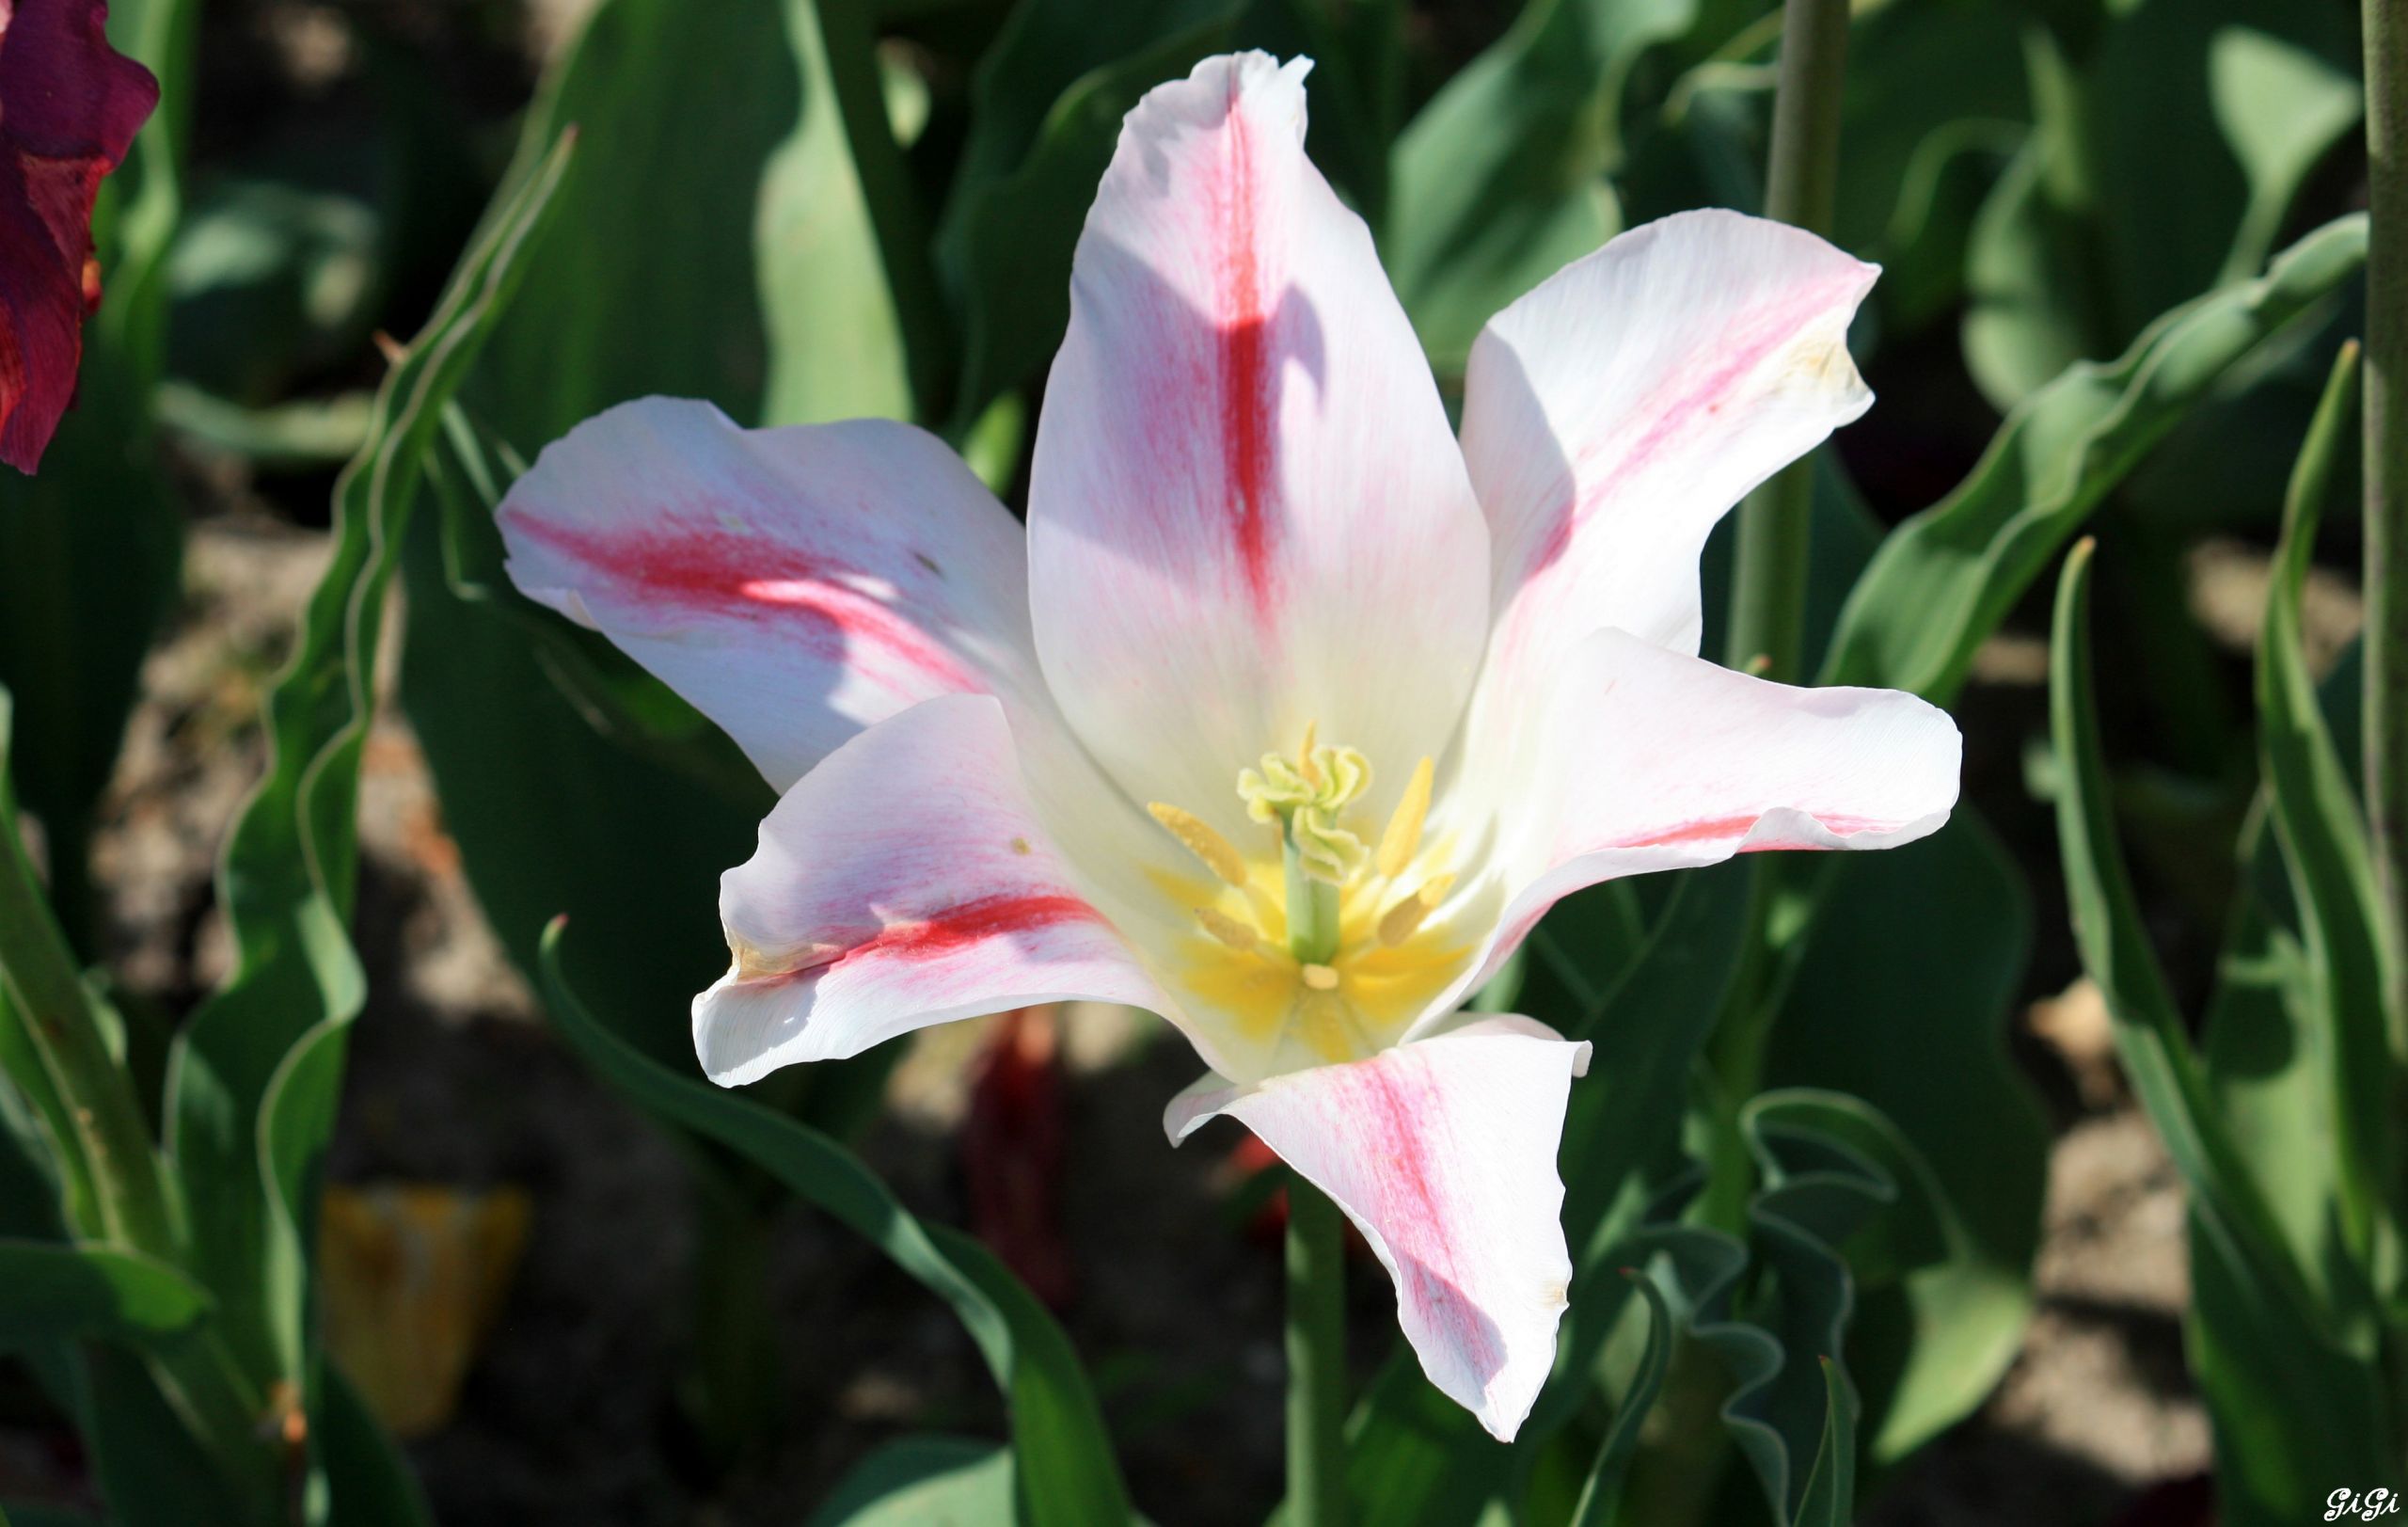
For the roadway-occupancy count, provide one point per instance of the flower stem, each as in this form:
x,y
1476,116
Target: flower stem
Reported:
x,y
1316,1359
2386,489
1769,583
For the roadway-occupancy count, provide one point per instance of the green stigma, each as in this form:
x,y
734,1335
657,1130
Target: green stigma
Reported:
x,y
1304,796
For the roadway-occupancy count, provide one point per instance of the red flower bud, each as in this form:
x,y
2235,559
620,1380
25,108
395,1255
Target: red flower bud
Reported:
x,y
70,106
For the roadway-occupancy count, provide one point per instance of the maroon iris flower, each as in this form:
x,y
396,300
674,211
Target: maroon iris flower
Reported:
x,y
69,105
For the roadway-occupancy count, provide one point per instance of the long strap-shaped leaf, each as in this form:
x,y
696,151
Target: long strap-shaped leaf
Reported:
x,y
2323,839
2156,1050
1066,1471
1944,580
289,873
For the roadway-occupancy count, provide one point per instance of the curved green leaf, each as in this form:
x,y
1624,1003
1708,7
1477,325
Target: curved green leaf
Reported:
x,y
1065,1466
1601,1497
1944,580
713,243
289,873
98,1292
2323,838
1831,1489
915,1480
1910,975
2289,1380
1501,179
1047,106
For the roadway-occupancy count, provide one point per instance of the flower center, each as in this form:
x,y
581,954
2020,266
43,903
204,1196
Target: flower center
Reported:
x,y
1316,931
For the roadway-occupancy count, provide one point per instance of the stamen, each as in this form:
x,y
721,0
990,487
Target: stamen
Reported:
x,y
1321,978
1198,838
1401,921
1237,935
1404,834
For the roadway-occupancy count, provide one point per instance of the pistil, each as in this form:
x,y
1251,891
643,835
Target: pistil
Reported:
x,y
1312,902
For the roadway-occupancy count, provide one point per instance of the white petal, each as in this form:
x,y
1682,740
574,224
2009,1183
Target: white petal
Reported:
x,y
795,585
1614,414
1442,1152
1652,759
905,881
1247,512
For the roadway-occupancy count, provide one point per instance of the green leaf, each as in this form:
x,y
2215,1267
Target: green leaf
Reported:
x,y
2290,1382
1063,1461
369,1483
2281,108
1601,1497
1046,110
2323,838
93,1291
2098,227
148,1468
713,242
1910,975
289,873
935,1481
1935,98
1501,179
1942,581
1831,1489
2150,1037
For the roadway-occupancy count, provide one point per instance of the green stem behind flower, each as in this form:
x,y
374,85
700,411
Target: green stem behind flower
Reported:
x,y
1769,583
2387,487
1767,629
1316,1359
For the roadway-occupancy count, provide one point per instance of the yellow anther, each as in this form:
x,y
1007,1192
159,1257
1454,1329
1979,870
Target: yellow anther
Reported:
x,y
1198,838
1401,921
1237,935
1404,834
1321,978
1305,755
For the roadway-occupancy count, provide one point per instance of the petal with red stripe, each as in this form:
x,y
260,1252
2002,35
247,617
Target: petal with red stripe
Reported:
x,y
908,881
1442,1152
1247,512
1652,759
795,585
1614,414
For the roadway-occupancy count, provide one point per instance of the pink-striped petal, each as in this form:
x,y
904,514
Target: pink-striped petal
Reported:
x,y
795,585
1442,1152
907,881
1247,512
1653,759
1614,414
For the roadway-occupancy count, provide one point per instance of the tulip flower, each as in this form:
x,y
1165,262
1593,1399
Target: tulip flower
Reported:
x,y
1292,710
70,106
